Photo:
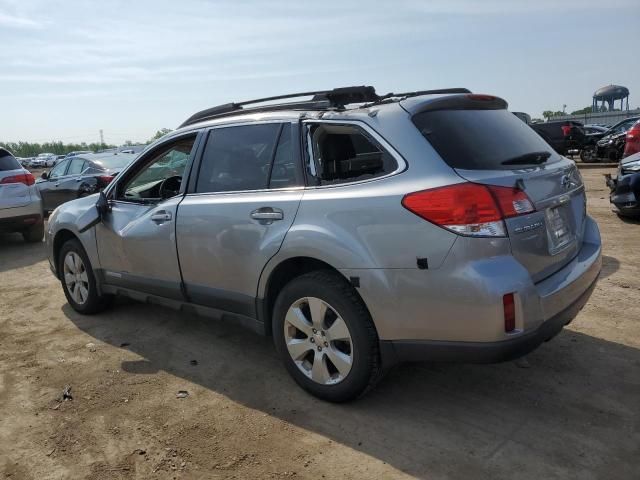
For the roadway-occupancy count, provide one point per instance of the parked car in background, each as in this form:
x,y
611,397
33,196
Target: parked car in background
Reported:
x,y
20,203
625,187
77,152
591,129
358,230
608,145
632,140
562,135
41,160
79,176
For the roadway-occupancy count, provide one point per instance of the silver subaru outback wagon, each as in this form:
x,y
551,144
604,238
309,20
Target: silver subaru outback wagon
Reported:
x,y
359,230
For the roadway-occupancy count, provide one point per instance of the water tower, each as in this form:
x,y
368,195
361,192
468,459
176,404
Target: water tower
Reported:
x,y
610,94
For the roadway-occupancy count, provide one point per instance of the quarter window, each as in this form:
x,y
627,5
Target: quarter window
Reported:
x,y
239,158
345,153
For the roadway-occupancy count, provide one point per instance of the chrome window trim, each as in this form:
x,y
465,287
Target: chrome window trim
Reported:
x,y
402,164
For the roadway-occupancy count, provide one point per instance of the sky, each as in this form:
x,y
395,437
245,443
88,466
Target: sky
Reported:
x,y
70,68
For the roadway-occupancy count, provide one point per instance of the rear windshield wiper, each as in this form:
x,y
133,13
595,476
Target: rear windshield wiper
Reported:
x,y
532,158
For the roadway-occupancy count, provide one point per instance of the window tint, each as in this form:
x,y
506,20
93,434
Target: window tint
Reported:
x,y
237,158
285,172
76,167
167,163
59,169
480,139
8,162
345,153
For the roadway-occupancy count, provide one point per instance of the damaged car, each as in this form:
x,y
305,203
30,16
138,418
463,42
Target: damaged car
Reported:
x,y
625,187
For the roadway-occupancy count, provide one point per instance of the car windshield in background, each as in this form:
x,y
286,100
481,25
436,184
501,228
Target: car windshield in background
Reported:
x,y
483,139
114,162
7,162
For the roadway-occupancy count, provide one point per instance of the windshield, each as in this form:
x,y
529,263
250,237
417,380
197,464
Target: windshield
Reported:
x,y
483,139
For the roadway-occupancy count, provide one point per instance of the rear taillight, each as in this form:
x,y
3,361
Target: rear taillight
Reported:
x,y
105,179
25,178
632,141
566,130
469,208
509,305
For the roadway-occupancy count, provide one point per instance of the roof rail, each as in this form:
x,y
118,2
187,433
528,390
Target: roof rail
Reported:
x,y
336,98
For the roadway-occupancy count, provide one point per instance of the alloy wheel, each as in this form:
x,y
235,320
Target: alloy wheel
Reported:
x,y
318,341
76,278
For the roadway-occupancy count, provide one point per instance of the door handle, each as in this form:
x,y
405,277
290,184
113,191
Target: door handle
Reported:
x,y
268,214
57,184
161,216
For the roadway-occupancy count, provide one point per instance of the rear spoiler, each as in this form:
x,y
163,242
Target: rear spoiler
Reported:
x,y
469,101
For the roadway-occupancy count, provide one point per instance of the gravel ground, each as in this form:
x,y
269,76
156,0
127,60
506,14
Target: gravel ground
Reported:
x,y
574,413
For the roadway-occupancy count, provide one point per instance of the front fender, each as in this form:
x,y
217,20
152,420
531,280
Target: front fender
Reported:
x,y
66,218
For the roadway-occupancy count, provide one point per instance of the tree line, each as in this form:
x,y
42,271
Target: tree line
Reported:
x,y
33,149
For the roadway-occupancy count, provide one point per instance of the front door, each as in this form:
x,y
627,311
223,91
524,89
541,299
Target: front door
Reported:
x,y
136,239
237,212
49,188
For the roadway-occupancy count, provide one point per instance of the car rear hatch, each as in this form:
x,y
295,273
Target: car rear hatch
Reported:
x,y
14,189
487,145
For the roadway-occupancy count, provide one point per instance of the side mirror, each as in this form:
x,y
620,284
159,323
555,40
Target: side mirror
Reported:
x,y
93,216
103,204
45,176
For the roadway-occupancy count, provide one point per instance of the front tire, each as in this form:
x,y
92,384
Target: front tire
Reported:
x,y
78,280
325,337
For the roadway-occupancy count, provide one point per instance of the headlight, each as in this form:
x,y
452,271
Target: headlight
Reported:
x,y
631,166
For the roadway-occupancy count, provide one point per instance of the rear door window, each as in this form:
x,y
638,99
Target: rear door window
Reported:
x,y
483,139
345,153
76,167
239,158
8,162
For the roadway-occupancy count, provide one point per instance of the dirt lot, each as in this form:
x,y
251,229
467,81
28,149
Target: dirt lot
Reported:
x,y
574,413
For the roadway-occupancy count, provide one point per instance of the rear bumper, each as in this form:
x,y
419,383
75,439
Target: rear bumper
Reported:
x,y
395,351
19,219
455,313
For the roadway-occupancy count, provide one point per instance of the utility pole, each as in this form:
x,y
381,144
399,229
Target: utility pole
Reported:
x,y
101,137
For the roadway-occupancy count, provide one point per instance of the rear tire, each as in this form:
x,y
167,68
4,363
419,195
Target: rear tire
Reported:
x,y
334,353
78,280
34,234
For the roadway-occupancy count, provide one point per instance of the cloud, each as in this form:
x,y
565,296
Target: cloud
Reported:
x,y
13,21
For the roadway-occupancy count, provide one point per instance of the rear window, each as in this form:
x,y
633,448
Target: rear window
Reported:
x,y
483,139
8,162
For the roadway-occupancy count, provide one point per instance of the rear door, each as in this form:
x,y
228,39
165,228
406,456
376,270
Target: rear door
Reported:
x,y
237,212
493,147
12,193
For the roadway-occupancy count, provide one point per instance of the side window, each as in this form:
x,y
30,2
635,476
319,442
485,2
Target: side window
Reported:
x,y
59,169
238,158
76,167
285,172
160,175
345,153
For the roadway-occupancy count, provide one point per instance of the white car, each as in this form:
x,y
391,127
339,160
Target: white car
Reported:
x,y
43,160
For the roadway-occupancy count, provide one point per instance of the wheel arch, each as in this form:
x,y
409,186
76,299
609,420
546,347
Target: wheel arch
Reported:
x,y
61,237
272,283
